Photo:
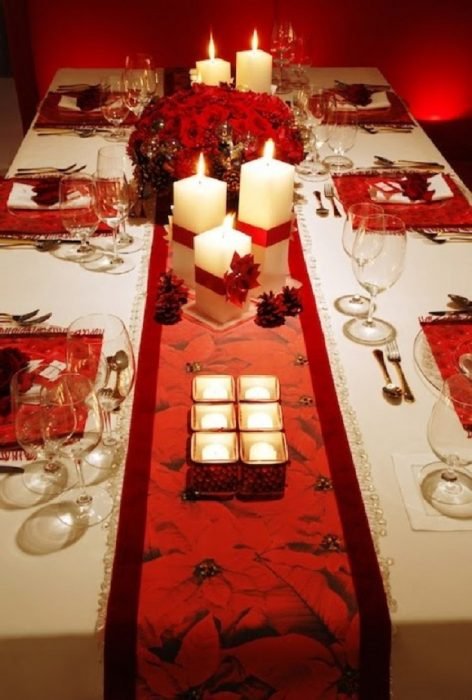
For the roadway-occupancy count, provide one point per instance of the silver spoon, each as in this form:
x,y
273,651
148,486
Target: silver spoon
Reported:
x,y
390,390
321,210
119,363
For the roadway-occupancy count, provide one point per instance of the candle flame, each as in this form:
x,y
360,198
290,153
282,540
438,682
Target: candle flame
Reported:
x,y
255,40
269,149
211,48
201,166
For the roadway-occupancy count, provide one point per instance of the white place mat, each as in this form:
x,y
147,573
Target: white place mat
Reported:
x,y
421,514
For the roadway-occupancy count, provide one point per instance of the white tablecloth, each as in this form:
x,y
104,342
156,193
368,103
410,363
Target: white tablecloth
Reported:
x,y
52,602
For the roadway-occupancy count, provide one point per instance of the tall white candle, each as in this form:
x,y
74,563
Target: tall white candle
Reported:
x,y
266,191
213,71
254,68
199,205
214,251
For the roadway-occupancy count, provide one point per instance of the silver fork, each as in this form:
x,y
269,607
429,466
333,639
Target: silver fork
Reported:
x,y
393,354
329,194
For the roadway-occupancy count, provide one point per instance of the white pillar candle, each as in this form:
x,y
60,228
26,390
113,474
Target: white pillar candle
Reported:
x,y
213,71
266,190
254,69
199,205
214,251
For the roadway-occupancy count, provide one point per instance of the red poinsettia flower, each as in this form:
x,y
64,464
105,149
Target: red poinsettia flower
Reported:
x,y
243,277
415,187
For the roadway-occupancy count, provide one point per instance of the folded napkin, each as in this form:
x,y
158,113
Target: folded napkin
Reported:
x,y
43,195
84,101
378,100
413,188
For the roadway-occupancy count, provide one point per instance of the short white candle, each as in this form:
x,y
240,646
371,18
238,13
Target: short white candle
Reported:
x,y
259,421
214,251
199,201
215,390
213,71
213,421
254,68
266,191
214,451
262,451
257,393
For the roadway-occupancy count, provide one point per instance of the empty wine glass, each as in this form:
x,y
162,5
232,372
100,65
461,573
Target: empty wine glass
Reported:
x,y
106,357
79,217
282,51
342,134
72,400
378,256
447,485
319,105
47,474
113,105
355,304
140,81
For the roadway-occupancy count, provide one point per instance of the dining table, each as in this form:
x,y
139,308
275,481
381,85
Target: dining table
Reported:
x,y
60,587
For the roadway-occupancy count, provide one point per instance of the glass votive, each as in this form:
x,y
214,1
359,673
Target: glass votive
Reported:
x,y
213,387
264,463
214,447
260,416
213,416
258,387
218,481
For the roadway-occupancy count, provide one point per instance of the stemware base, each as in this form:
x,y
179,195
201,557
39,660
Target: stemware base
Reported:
x,y
312,171
451,498
377,332
76,253
352,305
46,483
338,164
126,244
106,456
77,514
106,264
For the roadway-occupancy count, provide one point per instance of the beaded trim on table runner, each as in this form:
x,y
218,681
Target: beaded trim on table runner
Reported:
x,y
370,497
116,484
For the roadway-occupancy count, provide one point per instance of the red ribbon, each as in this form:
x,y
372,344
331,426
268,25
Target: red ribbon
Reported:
x,y
182,235
266,237
211,281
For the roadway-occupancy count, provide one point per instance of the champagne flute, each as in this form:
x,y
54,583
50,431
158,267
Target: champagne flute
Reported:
x,y
77,203
447,485
342,134
47,474
355,304
71,400
106,357
319,106
378,256
113,105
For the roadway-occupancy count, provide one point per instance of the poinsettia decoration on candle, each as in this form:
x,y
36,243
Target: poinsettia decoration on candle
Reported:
x,y
415,187
242,277
11,360
172,294
229,126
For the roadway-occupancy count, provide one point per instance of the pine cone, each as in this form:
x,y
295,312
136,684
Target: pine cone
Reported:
x,y
291,301
270,310
172,294
168,311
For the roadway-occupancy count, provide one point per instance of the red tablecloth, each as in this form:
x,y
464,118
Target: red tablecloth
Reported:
x,y
243,598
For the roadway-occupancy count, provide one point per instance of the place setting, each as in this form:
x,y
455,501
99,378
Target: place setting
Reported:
x,y
378,107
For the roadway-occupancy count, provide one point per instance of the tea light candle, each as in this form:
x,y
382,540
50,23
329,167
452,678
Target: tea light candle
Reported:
x,y
257,393
266,190
259,421
262,451
213,387
214,451
214,421
214,70
215,391
254,68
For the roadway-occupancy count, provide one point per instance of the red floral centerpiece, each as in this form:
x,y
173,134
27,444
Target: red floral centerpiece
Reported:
x,y
229,126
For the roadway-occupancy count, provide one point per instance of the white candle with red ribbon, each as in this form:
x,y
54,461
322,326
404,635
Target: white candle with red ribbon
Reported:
x,y
213,71
254,68
199,205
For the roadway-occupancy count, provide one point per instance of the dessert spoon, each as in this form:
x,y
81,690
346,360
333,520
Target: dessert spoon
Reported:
x,y
390,390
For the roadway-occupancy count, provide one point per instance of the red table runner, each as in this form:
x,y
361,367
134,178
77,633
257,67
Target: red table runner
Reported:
x,y
447,214
236,598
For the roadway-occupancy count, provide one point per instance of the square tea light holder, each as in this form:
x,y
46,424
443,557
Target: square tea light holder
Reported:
x,y
213,388
264,458
213,416
258,387
256,416
214,470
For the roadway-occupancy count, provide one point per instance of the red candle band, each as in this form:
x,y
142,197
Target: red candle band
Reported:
x,y
209,280
266,237
183,236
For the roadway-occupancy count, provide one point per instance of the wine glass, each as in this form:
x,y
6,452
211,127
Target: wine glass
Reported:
x,y
113,105
355,304
70,399
378,256
447,485
79,216
342,121
319,105
47,474
106,357
140,81
282,50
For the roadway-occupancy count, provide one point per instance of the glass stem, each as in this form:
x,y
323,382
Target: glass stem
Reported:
x,y
115,258
370,313
107,437
83,499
